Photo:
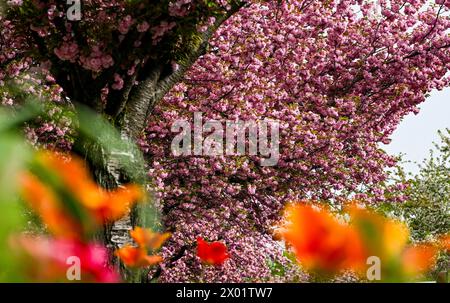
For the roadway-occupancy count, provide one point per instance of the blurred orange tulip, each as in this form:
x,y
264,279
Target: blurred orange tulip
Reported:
x,y
325,245
106,205
418,259
136,256
116,203
445,242
320,241
95,204
43,200
145,239
148,238
385,238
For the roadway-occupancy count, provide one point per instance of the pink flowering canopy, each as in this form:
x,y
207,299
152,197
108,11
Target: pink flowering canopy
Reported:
x,y
338,76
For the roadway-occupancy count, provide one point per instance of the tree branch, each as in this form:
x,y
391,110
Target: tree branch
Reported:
x,y
150,91
167,83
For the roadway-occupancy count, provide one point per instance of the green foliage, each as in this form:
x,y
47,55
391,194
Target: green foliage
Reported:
x,y
427,208
96,130
14,153
276,268
289,271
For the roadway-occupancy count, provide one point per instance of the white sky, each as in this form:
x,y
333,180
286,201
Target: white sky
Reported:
x,y
415,135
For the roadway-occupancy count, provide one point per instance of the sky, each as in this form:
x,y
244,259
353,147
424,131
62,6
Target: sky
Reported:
x,y
415,134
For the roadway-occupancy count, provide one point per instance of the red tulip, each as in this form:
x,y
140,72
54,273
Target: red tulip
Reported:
x,y
214,253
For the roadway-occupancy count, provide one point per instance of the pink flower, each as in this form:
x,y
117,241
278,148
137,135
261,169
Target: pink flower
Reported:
x,y
67,51
52,258
143,27
107,61
50,78
161,30
15,2
118,82
125,24
179,8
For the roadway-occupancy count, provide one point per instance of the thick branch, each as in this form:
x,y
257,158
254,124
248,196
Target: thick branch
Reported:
x,y
135,113
149,92
167,83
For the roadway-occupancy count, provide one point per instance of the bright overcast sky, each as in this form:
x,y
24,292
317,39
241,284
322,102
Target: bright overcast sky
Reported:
x,y
415,135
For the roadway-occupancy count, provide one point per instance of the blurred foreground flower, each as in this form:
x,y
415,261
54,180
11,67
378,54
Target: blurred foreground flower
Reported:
x,y
47,259
64,197
383,237
416,260
325,245
61,190
320,241
388,239
136,256
214,253
46,204
146,240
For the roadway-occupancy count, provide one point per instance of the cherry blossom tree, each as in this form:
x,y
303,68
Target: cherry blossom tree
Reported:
x,y
338,75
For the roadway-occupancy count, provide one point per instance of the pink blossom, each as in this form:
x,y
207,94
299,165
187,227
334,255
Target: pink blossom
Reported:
x,y
118,82
125,24
143,27
67,51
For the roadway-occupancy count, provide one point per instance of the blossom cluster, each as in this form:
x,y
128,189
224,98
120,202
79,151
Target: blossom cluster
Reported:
x,y
111,38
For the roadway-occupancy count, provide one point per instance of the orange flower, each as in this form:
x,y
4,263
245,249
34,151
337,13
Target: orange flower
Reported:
x,y
136,256
68,200
147,238
388,239
116,203
74,175
418,259
214,253
385,238
325,245
320,241
49,208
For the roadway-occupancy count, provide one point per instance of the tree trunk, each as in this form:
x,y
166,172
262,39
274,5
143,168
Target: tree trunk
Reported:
x,y
114,234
